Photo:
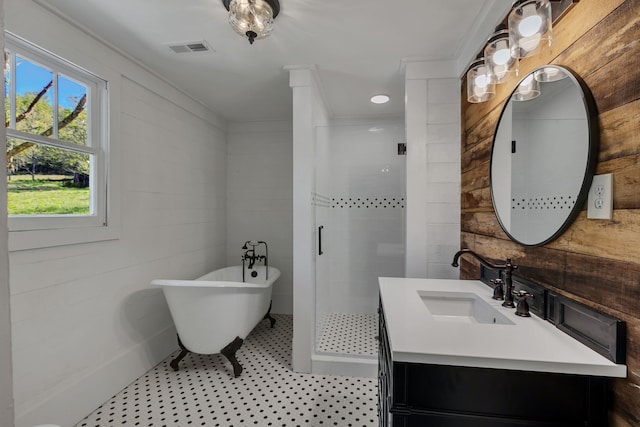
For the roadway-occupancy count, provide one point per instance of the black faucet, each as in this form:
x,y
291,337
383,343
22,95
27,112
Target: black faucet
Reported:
x,y
508,268
250,255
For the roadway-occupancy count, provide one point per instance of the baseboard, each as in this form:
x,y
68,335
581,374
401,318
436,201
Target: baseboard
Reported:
x,y
345,366
68,407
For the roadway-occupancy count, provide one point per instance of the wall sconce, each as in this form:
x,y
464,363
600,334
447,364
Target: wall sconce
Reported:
x,y
530,25
529,30
497,55
527,90
480,85
252,19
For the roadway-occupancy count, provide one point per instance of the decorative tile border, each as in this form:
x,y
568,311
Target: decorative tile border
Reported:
x,y
543,203
372,202
368,202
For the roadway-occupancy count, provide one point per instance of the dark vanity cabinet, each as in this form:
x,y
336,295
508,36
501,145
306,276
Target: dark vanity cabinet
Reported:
x,y
418,395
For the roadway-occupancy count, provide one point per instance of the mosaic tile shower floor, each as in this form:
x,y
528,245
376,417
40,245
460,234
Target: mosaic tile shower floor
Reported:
x,y
204,393
350,334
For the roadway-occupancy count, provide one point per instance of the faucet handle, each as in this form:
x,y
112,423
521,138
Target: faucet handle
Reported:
x,y
498,291
522,309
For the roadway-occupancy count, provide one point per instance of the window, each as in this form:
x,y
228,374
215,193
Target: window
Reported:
x,y
55,114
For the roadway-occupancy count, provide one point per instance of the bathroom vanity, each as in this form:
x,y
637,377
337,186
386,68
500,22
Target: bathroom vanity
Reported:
x,y
450,356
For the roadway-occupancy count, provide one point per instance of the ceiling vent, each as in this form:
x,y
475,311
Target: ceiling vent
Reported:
x,y
190,47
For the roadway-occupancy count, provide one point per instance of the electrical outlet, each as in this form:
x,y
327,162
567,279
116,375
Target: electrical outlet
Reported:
x,y
600,203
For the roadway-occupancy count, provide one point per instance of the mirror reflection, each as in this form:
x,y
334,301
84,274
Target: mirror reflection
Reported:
x,y
543,155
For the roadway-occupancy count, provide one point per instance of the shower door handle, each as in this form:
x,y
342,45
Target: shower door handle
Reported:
x,y
320,240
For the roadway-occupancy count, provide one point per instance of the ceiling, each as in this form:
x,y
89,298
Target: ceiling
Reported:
x,y
358,47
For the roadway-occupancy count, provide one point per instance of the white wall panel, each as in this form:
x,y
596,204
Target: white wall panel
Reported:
x,y
85,320
443,176
6,391
433,214
416,134
260,198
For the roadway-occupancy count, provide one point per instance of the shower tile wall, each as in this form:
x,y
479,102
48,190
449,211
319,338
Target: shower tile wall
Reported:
x,y
363,235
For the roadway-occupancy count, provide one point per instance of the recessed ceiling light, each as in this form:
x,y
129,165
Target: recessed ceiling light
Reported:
x,y
380,99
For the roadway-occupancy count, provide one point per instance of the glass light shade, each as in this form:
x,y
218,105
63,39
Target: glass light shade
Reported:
x,y
549,74
480,86
497,56
528,89
251,18
530,27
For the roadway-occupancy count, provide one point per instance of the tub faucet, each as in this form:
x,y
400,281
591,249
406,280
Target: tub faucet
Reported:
x,y
250,255
508,268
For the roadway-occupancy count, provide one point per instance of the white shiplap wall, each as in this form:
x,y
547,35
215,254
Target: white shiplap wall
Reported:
x,y
85,320
443,176
432,111
6,389
260,198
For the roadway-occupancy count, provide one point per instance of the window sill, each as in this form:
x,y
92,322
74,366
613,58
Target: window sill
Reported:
x,y
36,239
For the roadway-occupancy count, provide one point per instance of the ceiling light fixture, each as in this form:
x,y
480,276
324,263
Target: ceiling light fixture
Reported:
x,y
380,99
530,27
252,19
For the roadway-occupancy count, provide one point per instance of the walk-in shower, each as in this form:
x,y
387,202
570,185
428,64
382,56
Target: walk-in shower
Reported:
x,y
359,204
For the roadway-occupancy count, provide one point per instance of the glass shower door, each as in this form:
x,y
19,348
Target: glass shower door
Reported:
x,y
360,214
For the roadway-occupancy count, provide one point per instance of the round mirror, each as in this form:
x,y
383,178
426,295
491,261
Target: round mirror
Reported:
x,y
544,155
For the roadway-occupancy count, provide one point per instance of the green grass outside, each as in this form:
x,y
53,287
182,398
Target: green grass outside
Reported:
x,y
46,195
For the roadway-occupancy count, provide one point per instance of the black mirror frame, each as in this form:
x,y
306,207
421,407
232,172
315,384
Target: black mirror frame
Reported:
x,y
592,155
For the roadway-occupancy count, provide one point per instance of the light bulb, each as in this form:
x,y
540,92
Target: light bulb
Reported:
x,y
481,81
502,55
532,21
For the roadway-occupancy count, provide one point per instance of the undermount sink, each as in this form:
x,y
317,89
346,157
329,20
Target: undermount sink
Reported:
x,y
461,307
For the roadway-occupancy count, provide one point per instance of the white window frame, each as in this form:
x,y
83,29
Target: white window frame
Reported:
x,y
36,231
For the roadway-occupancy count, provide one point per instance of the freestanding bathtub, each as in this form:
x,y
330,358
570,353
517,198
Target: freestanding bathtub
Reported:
x,y
215,313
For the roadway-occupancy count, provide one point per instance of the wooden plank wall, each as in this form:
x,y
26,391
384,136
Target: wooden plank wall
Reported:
x,y
596,262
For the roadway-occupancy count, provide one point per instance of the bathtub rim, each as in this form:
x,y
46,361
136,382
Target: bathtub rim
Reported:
x,y
209,284
274,274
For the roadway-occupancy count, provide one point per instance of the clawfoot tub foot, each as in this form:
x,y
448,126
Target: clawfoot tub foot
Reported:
x,y
230,353
268,316
183,353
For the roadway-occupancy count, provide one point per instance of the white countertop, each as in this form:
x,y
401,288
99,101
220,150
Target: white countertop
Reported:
x,y
529,344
